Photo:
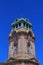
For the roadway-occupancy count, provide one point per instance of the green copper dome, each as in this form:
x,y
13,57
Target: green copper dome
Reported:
x,y
22,22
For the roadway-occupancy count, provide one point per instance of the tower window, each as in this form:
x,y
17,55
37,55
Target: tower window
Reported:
x,y
28,48
19,24
26,26
13,26
16,26
15,46
15,49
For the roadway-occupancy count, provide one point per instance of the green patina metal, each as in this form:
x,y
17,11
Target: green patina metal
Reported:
x,y
19,21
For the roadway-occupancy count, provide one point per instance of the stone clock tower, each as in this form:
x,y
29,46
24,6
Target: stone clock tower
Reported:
x,y
21,44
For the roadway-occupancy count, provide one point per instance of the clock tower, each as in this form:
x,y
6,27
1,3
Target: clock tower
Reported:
x,y
21,44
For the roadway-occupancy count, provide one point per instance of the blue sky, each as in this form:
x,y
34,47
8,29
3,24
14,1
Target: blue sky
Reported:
x,y
12,9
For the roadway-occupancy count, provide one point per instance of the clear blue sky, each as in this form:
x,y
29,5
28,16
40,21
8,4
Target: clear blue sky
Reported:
x,y
11,9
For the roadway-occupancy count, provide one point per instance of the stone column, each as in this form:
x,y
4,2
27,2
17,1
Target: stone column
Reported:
x,y
19,45
22,45
11,49
18,25
25,25
21,24
32,48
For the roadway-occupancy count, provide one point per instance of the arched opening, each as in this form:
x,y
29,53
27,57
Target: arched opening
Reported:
x,y
15,47
16,25
19,24
28,47
26,25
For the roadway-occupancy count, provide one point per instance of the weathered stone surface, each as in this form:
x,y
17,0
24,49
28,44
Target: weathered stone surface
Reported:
x,y
21,47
